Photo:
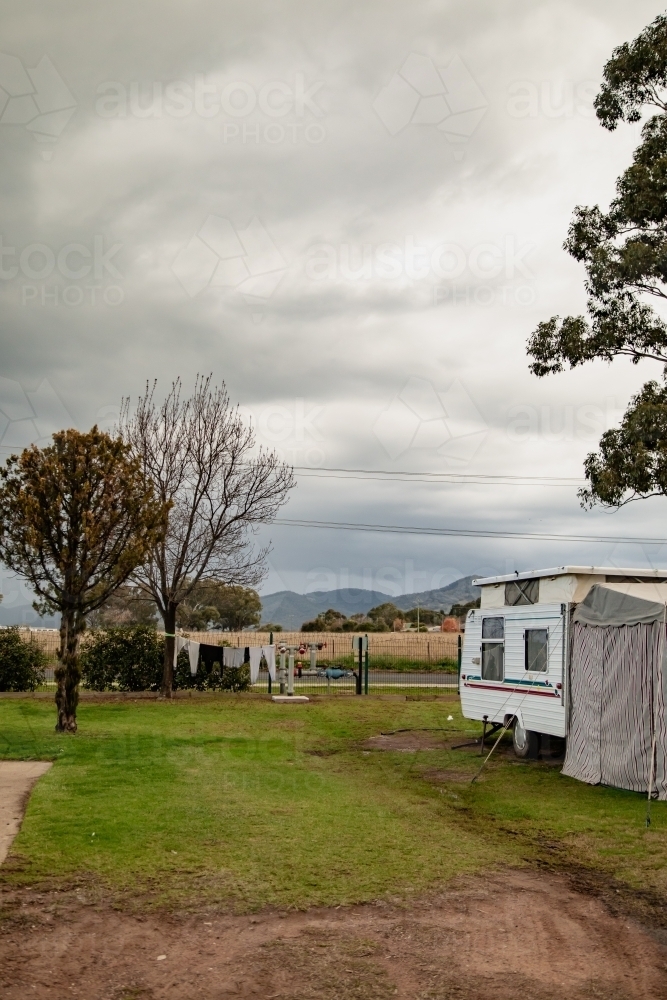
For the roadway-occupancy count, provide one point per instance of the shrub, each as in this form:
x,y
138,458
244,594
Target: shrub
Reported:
x,y
236,678
21,663
128,658
210,679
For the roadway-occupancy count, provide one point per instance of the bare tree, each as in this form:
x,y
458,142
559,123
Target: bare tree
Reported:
x,y
199,456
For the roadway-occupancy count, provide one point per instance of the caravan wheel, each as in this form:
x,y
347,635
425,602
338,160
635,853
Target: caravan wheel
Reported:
x,y
526,743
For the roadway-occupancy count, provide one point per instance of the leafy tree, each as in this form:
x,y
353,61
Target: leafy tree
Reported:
x,y
426,616
200,458
387,613
461,610
624,251
126,606
76,518
271,627
328,621
217,605
21,663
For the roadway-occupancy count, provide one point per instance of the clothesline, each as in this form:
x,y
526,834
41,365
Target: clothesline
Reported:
x,y
232,657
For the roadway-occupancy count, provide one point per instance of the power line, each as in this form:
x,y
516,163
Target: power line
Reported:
x,y
465,532
437,482
440,476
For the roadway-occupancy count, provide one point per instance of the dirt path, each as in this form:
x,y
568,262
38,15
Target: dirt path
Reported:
x,y
509,935
16,780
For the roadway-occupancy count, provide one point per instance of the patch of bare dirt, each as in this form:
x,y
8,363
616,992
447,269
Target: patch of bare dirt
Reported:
x,y
17,778
508,935
409,741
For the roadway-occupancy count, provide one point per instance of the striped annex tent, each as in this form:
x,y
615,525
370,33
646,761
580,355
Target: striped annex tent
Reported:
x,y
617,733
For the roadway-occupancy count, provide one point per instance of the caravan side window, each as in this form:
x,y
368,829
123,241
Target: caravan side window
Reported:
x,y
493,649
537,649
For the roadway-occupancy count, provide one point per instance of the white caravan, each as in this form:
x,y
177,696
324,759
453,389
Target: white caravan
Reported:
x,y
515,661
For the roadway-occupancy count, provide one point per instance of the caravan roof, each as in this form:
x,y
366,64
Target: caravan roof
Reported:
x,y
623,575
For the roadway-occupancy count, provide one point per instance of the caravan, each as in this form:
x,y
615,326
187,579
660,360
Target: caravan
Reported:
x,y
575,652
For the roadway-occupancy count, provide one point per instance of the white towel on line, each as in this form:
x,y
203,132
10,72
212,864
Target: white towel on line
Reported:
x,y
232,656
269,654
255,657
179,644
193,653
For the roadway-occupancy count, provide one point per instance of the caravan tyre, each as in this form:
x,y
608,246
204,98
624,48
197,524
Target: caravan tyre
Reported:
x,y
526,743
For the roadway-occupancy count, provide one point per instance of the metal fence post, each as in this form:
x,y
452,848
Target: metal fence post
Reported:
x,y
366,668
459,654
274,659
361,661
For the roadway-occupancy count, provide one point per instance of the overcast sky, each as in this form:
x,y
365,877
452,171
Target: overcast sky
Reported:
x,y
353,214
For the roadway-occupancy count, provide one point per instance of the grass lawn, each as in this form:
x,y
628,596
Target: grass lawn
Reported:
x,y
232,799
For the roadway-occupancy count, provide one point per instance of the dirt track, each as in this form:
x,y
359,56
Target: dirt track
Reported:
x,y
509,935
17,778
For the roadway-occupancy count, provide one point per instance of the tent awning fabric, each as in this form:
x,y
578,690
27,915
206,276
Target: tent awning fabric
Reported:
x,y
604,607
617,731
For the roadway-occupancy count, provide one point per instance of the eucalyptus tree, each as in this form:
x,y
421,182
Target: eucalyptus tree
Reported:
x,y
624,252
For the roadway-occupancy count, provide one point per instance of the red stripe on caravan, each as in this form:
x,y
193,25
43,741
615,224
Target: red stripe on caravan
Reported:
x,y
512,690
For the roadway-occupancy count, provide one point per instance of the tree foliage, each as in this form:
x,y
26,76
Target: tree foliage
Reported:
x,y
22,662
624,252
217,605
126,606
76,518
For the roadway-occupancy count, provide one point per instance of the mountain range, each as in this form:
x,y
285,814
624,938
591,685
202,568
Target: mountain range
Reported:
x,y
289,609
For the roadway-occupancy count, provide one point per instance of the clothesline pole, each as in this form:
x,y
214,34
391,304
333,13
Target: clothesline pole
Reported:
x,y
270,644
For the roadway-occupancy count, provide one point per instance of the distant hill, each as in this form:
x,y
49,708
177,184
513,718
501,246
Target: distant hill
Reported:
x,y
289,609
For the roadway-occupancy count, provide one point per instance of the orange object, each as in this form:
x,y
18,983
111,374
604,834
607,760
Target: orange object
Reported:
x,y
450,625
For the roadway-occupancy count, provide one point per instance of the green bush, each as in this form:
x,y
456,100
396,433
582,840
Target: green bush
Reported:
x,y
236,678
124,658
213,679
21,663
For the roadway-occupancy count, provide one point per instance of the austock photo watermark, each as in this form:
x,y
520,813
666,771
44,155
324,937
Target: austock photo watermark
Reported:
x,y
291,428
527,422
68,275
35,98
275,112
423,417
445,97
224,258
484,274
391,578
552,99
29,416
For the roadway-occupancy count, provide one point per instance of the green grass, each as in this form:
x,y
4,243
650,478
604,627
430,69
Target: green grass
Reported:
x,y
236,801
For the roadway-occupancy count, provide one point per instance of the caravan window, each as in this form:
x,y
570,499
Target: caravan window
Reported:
x,y
522,592
537,649
493,649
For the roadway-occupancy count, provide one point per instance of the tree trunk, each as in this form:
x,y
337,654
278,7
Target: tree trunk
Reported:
x,y
169,619
68,673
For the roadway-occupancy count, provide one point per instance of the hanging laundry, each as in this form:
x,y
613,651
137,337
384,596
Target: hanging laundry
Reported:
x,y
255,655
233,656
193,653
209,655
269,654
179,644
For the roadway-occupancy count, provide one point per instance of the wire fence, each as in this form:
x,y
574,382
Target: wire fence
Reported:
x,y
326,663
